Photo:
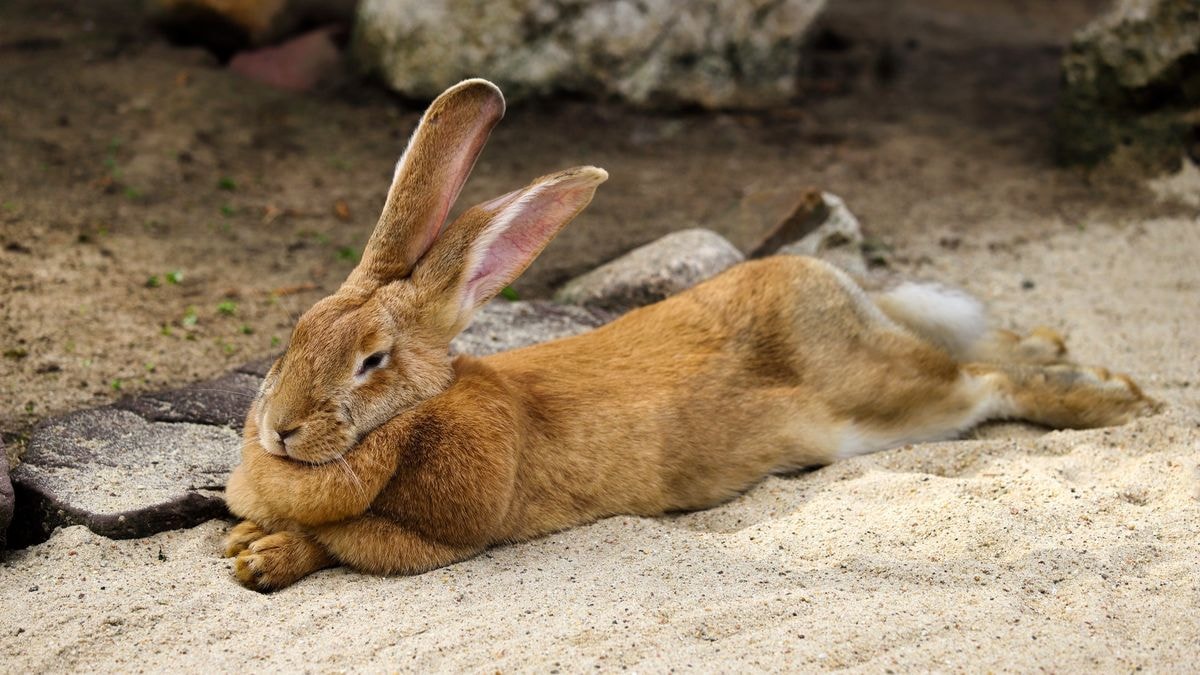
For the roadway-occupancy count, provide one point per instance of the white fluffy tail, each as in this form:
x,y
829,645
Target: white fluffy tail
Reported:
x,y
945,316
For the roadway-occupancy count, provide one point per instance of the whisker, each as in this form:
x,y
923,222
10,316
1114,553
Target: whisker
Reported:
x,y
362,492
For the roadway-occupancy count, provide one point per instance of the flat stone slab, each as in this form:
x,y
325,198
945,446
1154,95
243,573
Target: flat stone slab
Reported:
x,y
223,401
121,475
6,499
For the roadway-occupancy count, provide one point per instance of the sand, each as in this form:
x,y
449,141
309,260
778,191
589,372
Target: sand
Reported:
x,y
1016,550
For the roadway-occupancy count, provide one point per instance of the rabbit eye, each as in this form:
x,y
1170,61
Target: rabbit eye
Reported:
x,y
372,362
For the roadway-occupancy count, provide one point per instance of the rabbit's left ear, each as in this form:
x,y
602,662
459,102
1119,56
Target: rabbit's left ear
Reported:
x,y
489,246
428,178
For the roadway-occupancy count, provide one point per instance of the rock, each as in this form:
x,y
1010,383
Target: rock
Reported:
x,y
223,402
121,475
656,53
228,26
1132,80
6,499
297,65
259,367
502,325
837,240
804,216
655,271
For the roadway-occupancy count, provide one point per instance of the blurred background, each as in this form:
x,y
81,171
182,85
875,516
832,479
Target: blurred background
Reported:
x,y
179,179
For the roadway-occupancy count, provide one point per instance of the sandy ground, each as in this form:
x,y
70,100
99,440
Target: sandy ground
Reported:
x,y
1014,551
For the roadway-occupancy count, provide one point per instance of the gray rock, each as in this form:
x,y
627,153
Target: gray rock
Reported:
x,y
502,325
837,240
6,499
711,53
223,401
655,271
121,475
1132,79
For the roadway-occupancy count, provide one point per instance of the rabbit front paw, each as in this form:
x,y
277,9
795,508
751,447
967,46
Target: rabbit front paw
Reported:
x,y
278,560
241,536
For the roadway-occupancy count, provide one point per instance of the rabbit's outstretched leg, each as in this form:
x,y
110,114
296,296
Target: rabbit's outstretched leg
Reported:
x,y
281,559
380,546
1057,395
1062,395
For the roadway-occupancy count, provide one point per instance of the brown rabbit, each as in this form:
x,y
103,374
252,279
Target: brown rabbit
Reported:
x,y
369,446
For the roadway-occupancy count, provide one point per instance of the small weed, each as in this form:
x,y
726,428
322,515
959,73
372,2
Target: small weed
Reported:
x,y
509,293
246,330
153,281
190,318
348,254
275,341
226,183
150,367
166,330
10,206
116,384
175,277
133,194
16,353
227,347
228,210
227,307
29,407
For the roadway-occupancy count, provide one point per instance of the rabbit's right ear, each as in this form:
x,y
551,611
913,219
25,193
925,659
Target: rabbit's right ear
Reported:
x,y
428,178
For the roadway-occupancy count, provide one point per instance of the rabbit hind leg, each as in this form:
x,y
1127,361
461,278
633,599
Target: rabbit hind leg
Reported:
x,y
1058,395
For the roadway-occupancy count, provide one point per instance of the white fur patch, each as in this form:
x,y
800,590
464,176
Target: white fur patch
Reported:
x,y
946,316
987,403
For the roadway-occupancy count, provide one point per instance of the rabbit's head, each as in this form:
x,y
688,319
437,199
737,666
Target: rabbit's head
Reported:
x,y
380,344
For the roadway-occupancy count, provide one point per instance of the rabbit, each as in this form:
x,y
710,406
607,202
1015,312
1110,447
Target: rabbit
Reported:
x,y
369,446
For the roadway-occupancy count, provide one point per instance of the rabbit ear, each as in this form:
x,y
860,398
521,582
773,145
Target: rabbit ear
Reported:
x,y
489,246
428,178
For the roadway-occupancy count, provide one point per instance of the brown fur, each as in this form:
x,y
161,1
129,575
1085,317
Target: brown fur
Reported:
x,y
776,364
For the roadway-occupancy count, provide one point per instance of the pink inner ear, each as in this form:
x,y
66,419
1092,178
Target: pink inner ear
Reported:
x,y
519,232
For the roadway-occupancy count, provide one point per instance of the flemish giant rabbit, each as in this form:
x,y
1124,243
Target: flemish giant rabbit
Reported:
x,y
369,446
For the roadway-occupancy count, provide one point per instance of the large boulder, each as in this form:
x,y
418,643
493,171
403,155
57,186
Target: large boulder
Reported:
x,y
711,53
1132,80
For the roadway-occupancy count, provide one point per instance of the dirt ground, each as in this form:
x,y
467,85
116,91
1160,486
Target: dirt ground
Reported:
x,y
162,219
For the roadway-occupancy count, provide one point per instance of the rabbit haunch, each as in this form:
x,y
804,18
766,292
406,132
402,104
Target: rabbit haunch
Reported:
x,y
774,364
